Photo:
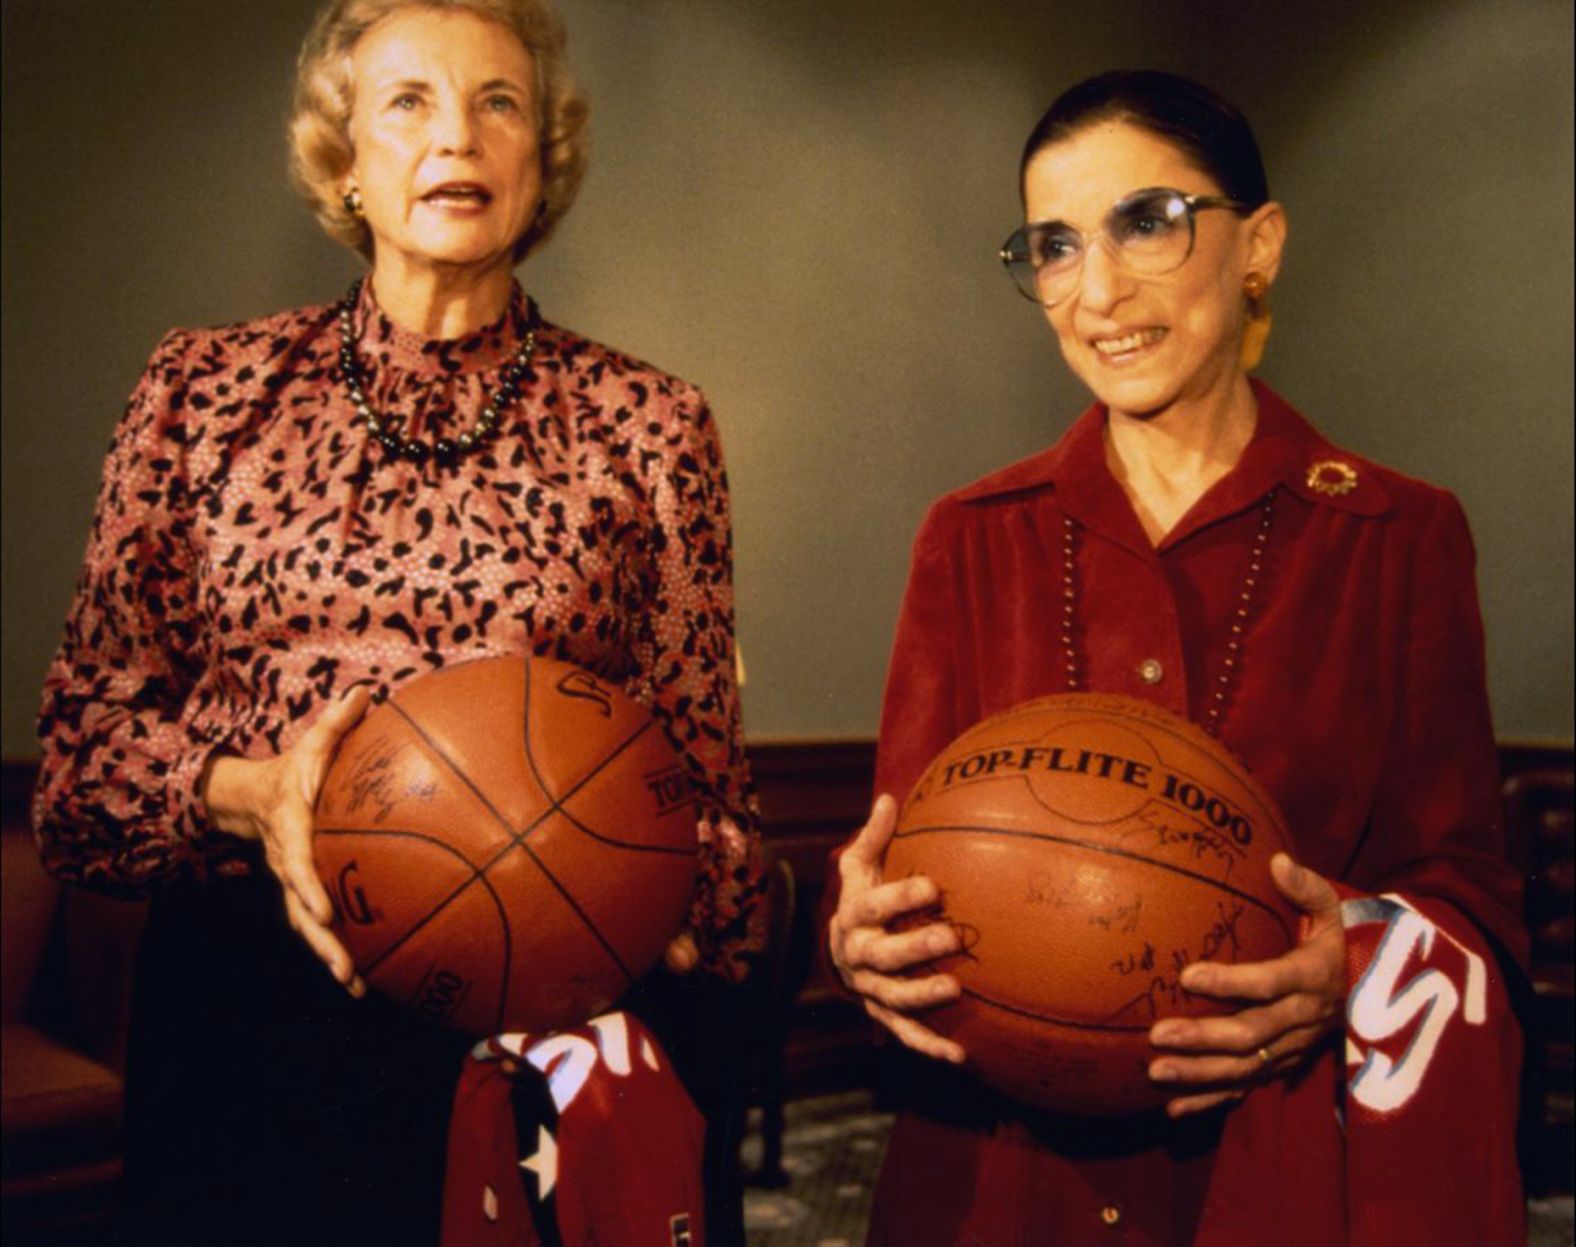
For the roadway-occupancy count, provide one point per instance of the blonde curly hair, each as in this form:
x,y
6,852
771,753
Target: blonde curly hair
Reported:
x,y
320,147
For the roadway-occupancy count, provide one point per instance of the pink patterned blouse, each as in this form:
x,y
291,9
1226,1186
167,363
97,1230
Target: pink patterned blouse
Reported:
x,y
254,553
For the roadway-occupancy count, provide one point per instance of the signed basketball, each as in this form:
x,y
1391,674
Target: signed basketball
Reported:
x,y
1087,848
509,844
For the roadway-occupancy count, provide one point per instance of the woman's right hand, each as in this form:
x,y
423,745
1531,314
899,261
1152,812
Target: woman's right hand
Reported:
x,y
271,800
870,958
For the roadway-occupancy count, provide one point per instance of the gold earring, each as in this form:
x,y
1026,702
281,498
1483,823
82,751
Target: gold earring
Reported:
x,y
353,205
1257,331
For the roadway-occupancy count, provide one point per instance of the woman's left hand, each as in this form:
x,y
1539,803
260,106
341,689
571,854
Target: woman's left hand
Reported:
x,y
683,954
1298,1003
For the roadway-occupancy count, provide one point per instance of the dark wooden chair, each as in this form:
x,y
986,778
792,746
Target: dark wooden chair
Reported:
x,y
1539,820
67,958
765,1082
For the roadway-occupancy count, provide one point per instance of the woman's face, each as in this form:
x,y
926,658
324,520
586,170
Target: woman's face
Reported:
x,y
1143,343
444,131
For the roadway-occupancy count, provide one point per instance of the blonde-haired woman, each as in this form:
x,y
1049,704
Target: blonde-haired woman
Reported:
x,y
303,511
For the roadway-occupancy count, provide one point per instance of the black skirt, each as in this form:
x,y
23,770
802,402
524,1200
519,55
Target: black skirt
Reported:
x,y
264,1104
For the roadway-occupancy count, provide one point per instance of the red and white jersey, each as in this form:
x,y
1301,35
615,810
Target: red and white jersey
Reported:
x,y
572,1139
1433,1053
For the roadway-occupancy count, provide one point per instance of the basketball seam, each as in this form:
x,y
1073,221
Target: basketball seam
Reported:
x,y
449,762
555,802
555,806
558,802
1027,779
476,876
575,905
1108,850
1050,1018
625,844
525,739
518,838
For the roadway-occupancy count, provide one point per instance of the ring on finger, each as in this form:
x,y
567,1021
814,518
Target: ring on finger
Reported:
x,y
1266,1058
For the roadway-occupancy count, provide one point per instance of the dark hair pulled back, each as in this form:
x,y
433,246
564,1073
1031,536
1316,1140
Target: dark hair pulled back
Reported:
x,y
1210,132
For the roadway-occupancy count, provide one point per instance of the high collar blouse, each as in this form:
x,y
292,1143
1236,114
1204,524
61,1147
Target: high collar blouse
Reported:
x,y
254,553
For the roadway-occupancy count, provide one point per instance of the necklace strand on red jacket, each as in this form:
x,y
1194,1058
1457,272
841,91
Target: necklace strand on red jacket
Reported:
x,y
1219,697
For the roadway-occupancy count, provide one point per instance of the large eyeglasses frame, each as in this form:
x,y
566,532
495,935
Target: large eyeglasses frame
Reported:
x,y
1017,253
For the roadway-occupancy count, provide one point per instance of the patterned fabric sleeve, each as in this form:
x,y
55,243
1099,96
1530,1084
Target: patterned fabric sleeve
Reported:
x,y
686,655
116,806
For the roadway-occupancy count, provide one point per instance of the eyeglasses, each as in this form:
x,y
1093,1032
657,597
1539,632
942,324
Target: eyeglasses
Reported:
x,y
1149,232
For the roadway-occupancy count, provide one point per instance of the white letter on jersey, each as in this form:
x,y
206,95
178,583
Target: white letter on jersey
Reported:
x,y
1381,1007
568,1060
568,1075
612,1036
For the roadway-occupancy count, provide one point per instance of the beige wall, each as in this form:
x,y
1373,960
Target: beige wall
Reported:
x,y
797,205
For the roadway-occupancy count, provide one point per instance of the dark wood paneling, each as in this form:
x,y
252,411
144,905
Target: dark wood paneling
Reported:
x,y
1542,831
814,796
16,789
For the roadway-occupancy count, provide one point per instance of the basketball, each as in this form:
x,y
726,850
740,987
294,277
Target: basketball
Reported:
x,y
509,844
1087,848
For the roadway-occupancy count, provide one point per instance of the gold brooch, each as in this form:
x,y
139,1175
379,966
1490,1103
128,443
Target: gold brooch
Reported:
x,y
1331,476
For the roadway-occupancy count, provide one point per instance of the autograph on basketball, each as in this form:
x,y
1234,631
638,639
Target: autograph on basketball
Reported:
x,y
1040,889
1123,918
1193,839
1164,989
375,782
968,934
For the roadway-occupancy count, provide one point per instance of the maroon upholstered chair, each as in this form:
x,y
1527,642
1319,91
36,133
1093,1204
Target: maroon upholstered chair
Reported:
x,y
67,960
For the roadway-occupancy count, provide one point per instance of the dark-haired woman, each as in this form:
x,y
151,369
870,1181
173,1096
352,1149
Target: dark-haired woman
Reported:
x,y
334,500
1192,540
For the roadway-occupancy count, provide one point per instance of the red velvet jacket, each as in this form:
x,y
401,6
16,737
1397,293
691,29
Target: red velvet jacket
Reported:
x,y
1359,701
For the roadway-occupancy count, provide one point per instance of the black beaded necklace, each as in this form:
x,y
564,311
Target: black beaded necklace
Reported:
x,y
385,429
1230,665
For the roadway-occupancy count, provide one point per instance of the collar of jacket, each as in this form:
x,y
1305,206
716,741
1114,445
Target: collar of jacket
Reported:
x,y
1285,450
